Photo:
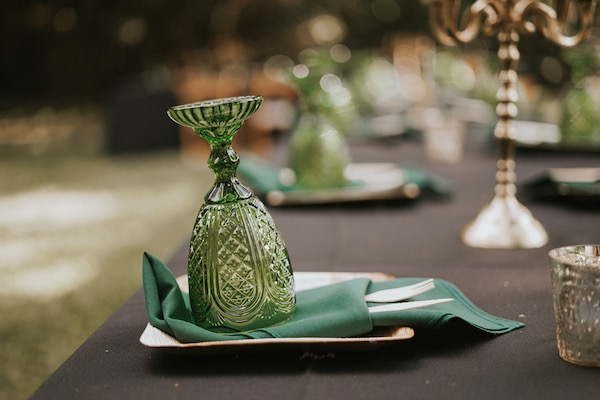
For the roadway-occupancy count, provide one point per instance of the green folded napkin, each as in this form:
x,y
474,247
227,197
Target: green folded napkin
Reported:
x,y
263,177
337,310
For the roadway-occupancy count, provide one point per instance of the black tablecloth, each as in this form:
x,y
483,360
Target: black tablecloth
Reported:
x,y
406,238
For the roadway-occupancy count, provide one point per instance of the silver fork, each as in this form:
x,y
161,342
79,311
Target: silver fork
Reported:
x,y
401,293
407,305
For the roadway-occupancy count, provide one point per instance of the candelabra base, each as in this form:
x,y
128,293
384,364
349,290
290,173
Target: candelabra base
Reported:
x,y
504,224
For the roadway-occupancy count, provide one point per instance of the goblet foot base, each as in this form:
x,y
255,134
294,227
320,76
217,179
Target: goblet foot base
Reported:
x,y
504,224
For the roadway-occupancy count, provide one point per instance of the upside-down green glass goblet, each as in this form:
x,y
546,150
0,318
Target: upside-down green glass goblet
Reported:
x,y
240,275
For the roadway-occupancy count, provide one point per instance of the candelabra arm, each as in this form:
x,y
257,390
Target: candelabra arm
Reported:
x,y
482,16
552,23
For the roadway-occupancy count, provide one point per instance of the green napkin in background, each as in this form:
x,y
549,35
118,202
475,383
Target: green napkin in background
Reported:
x,y
263,177
337,310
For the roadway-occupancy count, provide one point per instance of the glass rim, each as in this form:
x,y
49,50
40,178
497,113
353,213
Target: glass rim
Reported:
x,y
592,250
217,102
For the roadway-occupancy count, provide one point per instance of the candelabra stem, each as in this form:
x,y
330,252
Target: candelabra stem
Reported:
x,y
506,111
504,222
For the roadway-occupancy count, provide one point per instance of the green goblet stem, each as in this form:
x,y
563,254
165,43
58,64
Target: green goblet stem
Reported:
x,y
223,161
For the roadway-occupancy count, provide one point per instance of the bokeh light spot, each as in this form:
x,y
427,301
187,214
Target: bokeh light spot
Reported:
x,y
64,20
132,31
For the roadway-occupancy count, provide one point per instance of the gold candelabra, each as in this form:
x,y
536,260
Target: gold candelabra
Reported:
x,y
504,222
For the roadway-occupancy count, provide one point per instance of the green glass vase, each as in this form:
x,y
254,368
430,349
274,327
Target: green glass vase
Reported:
x,y
579,109
240,275
318,154
580,119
